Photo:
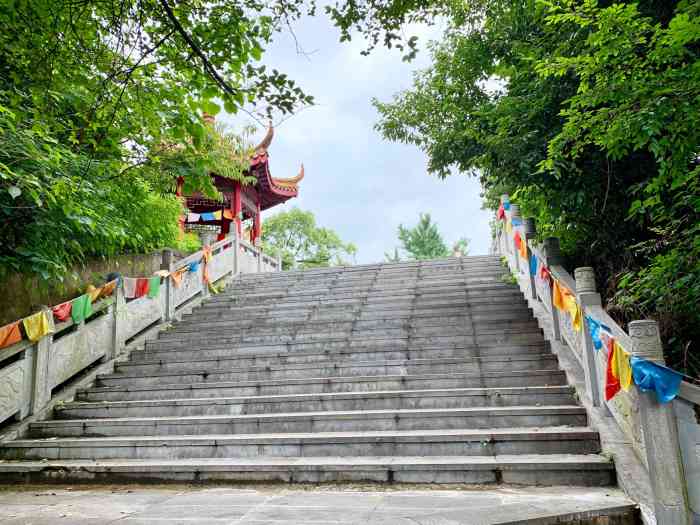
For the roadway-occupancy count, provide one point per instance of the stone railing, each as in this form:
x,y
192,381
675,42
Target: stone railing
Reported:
x,y
663,436
33,374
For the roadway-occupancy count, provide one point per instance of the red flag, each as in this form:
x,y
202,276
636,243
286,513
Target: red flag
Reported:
x,y
61,312
612,383
141,287
501,213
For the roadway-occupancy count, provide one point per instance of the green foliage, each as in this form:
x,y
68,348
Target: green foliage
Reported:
x,y
423,241
586,113
294,236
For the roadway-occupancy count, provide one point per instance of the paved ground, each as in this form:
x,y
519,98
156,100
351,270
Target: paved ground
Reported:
x,y
172,505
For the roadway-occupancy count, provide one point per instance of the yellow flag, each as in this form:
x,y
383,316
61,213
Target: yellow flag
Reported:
x,y
37,326
621,368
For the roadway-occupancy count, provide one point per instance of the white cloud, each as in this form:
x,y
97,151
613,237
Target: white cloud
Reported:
x,y
356,183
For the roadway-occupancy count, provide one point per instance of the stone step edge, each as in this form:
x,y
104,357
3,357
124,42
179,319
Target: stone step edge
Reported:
x,y
339,414
328,364
527,462
328,396
139,355
405,436
306,381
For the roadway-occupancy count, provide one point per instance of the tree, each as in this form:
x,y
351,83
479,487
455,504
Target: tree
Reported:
x,y
423,241
294,236
586,113
461,247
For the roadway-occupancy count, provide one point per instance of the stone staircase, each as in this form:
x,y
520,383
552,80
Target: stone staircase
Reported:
x,y
422,372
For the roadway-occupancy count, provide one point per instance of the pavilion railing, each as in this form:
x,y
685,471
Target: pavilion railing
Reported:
x,y
664,437
32,375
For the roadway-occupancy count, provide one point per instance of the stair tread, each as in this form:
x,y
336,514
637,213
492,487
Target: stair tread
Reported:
x,y
319,364
367,414
307,380
529,461
323,396
364,436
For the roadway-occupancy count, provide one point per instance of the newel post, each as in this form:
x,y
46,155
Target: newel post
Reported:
x,y
167,264
660,436
120,318
530,233
502,236
42,363
588,296
515,214
552,256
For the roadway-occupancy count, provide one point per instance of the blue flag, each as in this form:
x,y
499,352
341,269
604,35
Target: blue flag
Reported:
x,y
506,205
207,216
194,266
533,265
594,328
650,376
516,222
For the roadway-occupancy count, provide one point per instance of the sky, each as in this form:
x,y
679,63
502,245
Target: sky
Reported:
x,y
357,183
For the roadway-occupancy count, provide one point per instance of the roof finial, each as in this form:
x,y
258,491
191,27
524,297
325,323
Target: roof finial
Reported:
x,y
262,147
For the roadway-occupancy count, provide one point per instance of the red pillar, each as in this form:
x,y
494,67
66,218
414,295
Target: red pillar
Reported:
x,y
257,229
236,204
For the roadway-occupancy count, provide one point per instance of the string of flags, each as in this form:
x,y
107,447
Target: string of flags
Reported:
x,y
622,368
41,324
210,216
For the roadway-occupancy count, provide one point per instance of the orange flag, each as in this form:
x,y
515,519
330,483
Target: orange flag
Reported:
x,y
10,334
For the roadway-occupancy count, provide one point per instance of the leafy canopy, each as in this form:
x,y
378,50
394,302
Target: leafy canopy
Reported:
x,y
294,236
586,113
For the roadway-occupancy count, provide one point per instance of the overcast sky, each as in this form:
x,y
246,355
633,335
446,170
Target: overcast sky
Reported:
x,y
356,183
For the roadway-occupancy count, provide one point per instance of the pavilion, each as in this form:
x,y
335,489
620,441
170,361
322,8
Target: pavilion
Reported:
x,y
241,202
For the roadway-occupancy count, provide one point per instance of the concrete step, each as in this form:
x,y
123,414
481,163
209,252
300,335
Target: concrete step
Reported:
x,y
324,385
422,443
356,329
261,356
342,401
199,370
351,321
338,421
343,341
536,470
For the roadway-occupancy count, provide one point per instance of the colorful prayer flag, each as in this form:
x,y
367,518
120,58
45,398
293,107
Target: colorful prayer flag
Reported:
x,y
501,213
544,274
558,295
533,265
62,311
206,217
93,292
176,276
130,287
37,326
108,289
10,334
621,367
516,221
506,205
141,287
81,308
612,383
650,376
193,217
228,214
594,327
217,215
154,286
193,267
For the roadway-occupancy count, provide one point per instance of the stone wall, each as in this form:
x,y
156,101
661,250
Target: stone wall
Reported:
x,y
23,294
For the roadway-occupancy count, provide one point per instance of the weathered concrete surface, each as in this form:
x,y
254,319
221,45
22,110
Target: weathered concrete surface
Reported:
x,y
268,505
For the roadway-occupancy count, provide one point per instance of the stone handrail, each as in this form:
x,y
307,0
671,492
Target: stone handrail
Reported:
x,y
663,436
31,374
